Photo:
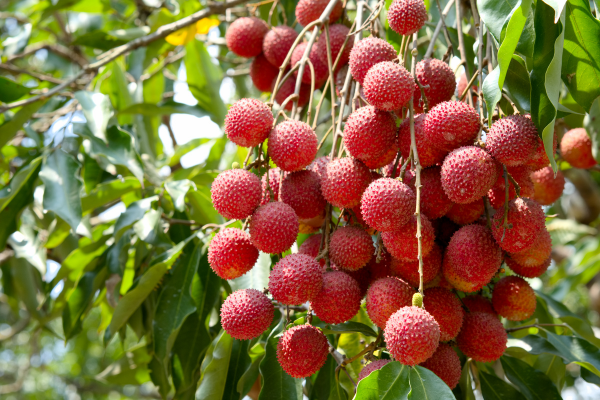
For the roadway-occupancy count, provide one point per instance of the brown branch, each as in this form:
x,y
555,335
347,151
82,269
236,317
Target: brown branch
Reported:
x,y
464,93
441,24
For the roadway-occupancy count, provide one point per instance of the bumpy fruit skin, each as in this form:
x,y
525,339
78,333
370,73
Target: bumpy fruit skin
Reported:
x,y
482,337
412,335
295,279
368,52
231,254
310,246
248,122
246,314
339,298
286,89
467,174
446,308
527,219
369,133
381,269
292,145
302,350
361,276
321,69
576,149
409,270
540,159
428,154
236,193
386,296
273,227
387,204
403,243
245,36
370,367
522,175
472,258
386,158
477,303
512,140
407,16
277,43
538,253
308,11
441,80
547,188
434,201
350,248
263,73
345,181
513,298
274,180
528,271
451,124
302,191
388,86
445,364
337,36
464,214
319,165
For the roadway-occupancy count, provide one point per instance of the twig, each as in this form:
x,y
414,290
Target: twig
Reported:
x,y
464,93
480,61
441,23
422,88
517,187
512,104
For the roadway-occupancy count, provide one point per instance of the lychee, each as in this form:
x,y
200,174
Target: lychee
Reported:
x,y
434,201
369,133
409,270
339,298
540,159
295,279
521,175
576,149
368,52
467,174
286,89
512,140
273,227
547,188
319,165
428,154
477,303
446,308
462,85
236,193
386,158
345,181
245,36
308,11
445,364
482,337
263,73
302,191
387,204
525,220
350,248
403,243
321,69
248,122
538,253
388,86
370,367
292,145
277,43
361,276
311,246
274,181
231,254
451,124
337,37
464,214
302,350
441,81
407,16
246,314
381,269
386,296
513,298
532,271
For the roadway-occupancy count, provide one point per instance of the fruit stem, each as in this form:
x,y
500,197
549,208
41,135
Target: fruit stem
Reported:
x,y
517,187
396,162
441,23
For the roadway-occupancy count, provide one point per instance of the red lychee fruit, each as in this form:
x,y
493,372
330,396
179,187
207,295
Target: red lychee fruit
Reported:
x,y
311,246
472,258
403,243
248,122
513,298
407,16
388,86
381,269
477,303
386,296
512,140
368,52
522,175
451,124
532,271
462,85
245,36
441,80
538,253
446,308
286,89
345,181
292,145
350,248
434,201
274,181
409,270
263,73
246,314
482,337
277,43
273,227
547,188
464,214
445,364
302,350
302,191
319,165
540,159
295,279
412,335
370,367
428,154
576,149
321,69
339,298
386,158
361,276
369,133
525,220
467,174
308,11
337,37
236,193
387,204
231,254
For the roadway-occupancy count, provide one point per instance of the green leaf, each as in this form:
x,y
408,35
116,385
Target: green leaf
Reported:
x,y
345,327
132,214
159,377
205,289
517,84
554,367
592,124
240,361
24,283
58,233
97,112
214,368
10,128
150,229
99,40
26,245
78,303
531,382
391,382
185,148
257,278
108,192
201,208
166,108
466,381
11,90
79,259
62,187
326,386
494,388
177,190
247,380
424,384
469,43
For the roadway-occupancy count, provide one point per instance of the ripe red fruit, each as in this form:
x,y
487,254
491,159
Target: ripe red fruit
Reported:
x,y
321,69
513,298
345,181
403,243
274,181
451,124
263,73
407,16
527,219
236,193
248,122
286,89
292,145
311,246
387,204
231,254
302,191
388,86
386,296
477,303
532,271
522,175
277,43
445,364
295,279
446,308
337,37
361,276
368,52
302,350
540,159
428,154
412,335
538,253
339,298
441,81
409,270
319,165
388,157
246,314
482,337
576,149
273,227
370,367
464,214
467,174
434,201
547,188
245,36
381,269
350,248
512,140
308,11
369,133
472,258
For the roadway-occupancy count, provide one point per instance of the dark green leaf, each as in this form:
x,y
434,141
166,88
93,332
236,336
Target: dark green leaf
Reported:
x,y
10,128
239,362
177,190
150,229
326,386
25,284
99,40
134,213
531,382
466,382
517,84
494,388
590,377
159,377
257,278
96,109
58,233
345,327
79,259
249,377
424,384
108,192
214,368
201,209
554,367
11,90
592,125
26,245
389,382
78,303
